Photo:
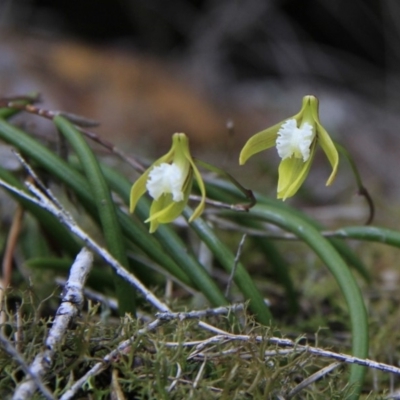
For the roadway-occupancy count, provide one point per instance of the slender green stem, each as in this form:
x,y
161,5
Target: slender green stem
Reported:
x,y
6,111
370,234
362,191
247,192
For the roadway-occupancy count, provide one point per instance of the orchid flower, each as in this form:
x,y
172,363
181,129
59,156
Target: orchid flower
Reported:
x,y
296,140
169,182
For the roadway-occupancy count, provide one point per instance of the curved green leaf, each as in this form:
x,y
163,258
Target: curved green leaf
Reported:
x,y
370,234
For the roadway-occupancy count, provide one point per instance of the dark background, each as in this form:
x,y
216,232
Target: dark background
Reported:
x,y
337,42
252,61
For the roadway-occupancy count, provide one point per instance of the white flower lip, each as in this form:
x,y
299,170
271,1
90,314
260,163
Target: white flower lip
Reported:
x,y
166,178
294,141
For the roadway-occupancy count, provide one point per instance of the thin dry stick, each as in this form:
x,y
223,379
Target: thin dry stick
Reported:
x,y
311,379
220,204
32,174
209,312
116,391
71,303
18,334
93,295
49,114
105,362
177,377
219,339
235,264
199,374
80,122
13,353
12,240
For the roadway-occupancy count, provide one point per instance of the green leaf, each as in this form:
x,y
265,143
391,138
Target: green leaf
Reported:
x,y
370,234
227,260
106,209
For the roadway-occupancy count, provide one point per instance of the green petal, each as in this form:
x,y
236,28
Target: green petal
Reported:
x,y
288,171
292,173
165,210
139,187
329,149
164,215
325,140
260,141
180,144
153,226
157,208
200,208
138,190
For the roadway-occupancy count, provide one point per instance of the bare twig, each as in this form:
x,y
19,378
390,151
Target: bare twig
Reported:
x,y
11,242
37,180
234,267
105,362
37,381
199,374
72,300
178,375
220,204
18,334
49,114
311,379
209,312
80,122
93,295
220,339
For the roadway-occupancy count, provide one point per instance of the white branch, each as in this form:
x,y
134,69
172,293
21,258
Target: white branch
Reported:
x,y
209,312
12,352
220,339
312,378
71,303
66,219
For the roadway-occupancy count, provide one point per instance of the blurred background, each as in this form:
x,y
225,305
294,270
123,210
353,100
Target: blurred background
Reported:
x,y
148,68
